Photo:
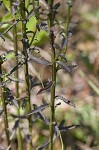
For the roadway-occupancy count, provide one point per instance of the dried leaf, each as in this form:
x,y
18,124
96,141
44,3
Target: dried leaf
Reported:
x,y
72,66
45,89
64,43
56,129
62,123
2,36
65,100
39,108
15,22
43,146
40,60
64,66
16,68
15,103
33,82
19,116
14,79
41,116
9,97
56,6
66,128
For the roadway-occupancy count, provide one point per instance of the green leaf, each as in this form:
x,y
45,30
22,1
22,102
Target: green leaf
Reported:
x,y
6,18
7,4
31,24
42,38
11,55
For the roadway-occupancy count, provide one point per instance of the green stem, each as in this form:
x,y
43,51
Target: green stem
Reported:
x,y
4,108
19,136
22,7
52,111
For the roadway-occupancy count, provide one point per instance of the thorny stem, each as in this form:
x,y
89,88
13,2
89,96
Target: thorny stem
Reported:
x,y
4,107
19,136
52,112
22,7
